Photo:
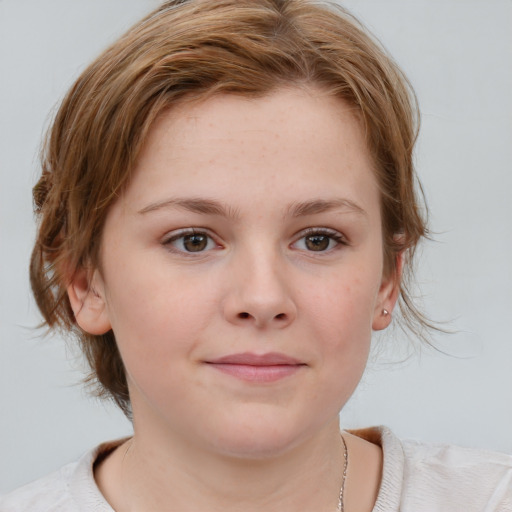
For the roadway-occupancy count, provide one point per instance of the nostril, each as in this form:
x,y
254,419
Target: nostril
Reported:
x,y
244,315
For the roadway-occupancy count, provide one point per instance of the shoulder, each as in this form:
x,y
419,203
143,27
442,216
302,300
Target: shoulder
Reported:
x,y
50,493
421,477
70,489
452,474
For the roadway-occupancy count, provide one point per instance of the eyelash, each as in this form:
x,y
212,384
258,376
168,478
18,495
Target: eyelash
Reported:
x,y
168,241
310,232
329,233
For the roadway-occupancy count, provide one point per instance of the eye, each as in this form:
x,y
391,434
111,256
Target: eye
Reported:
x,y
319,240
190,242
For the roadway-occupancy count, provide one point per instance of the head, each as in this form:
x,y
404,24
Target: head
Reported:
x,y
191,53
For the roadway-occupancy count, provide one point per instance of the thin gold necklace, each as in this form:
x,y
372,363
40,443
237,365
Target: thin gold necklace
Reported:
x,y
344,476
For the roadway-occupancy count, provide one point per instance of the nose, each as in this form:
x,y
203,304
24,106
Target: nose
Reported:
x,y
259,292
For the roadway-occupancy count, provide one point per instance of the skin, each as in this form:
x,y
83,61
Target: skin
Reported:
x,y
256,285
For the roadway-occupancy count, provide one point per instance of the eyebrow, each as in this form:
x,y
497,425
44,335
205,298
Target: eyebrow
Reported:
x,y
194,205
213,207
321,205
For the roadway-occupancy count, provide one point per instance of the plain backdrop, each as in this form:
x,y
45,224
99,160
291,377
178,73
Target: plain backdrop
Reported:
x,y
458,55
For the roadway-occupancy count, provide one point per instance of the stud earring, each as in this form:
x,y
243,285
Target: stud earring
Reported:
x,y
385,312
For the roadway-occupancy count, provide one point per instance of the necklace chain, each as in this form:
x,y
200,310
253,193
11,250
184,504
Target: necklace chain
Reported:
x,y
344,476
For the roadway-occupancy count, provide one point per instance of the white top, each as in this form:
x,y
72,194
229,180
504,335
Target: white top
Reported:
x,y
416,477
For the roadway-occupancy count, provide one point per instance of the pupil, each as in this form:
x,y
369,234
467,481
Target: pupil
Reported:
x,y
195,243
317,242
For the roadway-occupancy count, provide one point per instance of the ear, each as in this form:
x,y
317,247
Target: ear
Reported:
x,y
388,295
87,298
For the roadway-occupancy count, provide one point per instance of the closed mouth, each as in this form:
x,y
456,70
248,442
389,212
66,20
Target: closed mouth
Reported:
x,y
257,368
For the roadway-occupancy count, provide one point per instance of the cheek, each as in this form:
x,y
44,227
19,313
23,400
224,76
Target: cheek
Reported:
x,y
155,314
345,315
340,314
344,303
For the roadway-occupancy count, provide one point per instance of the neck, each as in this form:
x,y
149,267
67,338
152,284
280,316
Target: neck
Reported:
x,y
154,473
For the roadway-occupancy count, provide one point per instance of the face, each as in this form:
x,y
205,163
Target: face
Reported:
x,y
242,271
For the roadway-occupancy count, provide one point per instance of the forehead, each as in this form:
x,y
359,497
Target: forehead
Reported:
x,y
288,146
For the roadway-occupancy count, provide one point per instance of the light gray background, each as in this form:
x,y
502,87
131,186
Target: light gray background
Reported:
x,y
458,54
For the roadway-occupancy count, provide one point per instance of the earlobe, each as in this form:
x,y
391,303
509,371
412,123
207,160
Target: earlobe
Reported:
x,y
381,319
86,296
388,295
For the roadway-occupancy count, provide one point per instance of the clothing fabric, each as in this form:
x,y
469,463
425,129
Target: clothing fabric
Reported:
x,y
417,477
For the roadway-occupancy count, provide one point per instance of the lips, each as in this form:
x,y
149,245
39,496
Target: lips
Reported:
x,y
247,358
261,368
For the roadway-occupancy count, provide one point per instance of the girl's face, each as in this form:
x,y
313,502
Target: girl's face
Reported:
x,y
242,271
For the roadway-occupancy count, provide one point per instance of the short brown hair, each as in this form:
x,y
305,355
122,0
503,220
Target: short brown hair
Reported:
x,y
194,49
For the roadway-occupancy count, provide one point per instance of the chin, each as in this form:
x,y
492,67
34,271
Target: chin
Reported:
x,y
254,446
261,437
